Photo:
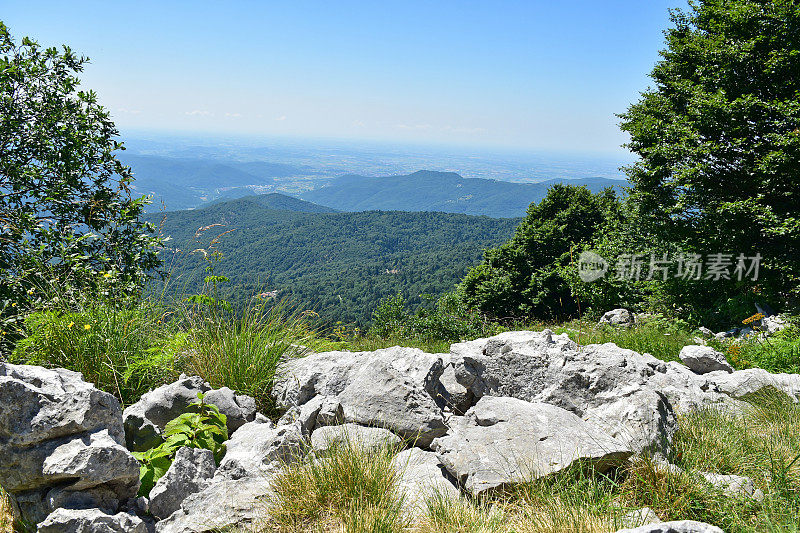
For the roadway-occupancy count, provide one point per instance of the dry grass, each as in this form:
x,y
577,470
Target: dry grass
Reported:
x,y
5,513
352,491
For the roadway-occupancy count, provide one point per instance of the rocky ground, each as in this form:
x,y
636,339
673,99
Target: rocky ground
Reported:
x,y
489,417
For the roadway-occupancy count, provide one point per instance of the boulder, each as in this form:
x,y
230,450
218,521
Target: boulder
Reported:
x,y
678,526
618,317
145,420
371,439
704,359
259,449
734,485
91,521
639,517
706,332
773,324
741,383
455,396
421,476
504,441
394,388
223,504
190,472
633,396
61,443
239,409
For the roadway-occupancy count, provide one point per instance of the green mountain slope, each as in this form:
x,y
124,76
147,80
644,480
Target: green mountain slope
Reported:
x,y
439,191
338,264
280,202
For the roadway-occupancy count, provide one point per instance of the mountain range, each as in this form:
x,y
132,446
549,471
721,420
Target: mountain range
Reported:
x,y
446,192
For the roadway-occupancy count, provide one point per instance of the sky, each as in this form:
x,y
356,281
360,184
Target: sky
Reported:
x,y
537,75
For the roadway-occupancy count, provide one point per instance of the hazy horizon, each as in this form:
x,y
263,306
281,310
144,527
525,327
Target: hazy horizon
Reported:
x,y
510,76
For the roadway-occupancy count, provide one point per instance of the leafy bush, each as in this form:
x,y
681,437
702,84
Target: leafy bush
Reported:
x,y
448,321
202,426
122,350
524,278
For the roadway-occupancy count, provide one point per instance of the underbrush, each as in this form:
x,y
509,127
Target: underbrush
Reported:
x,y
353,490
780,352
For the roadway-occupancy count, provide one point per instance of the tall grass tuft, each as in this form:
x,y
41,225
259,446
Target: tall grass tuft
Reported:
x,y
351,489
243,352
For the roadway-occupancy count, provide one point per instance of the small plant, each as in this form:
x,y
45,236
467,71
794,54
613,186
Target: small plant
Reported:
x,y
202,427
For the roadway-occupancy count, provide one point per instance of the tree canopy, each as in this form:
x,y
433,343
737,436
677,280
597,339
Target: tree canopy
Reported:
x,y
66,212
718,139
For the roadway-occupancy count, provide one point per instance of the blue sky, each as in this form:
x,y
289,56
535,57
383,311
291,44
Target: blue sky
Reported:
x,y
539,75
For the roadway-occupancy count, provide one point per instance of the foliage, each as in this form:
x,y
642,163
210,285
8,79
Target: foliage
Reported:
x,y
525,277
340,265
448,321
778,353
125,350
65,206
202,426
718,137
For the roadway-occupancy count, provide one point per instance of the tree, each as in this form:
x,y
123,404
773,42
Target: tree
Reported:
x,y
66,212
526,277
718,138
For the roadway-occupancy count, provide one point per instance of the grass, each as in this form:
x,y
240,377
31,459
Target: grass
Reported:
x,y
350,489
353,490
5,513
662,342
243,352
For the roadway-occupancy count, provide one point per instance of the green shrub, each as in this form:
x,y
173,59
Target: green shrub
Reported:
x,y
202,426
122,350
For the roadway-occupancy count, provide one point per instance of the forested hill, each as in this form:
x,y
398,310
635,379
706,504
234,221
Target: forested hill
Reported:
x,y
440,191
339,264
281,202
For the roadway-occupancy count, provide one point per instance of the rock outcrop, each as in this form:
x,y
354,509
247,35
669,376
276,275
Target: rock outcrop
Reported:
x,y
618,317
145,420
190,472
504,441
61,444
395,388
704,359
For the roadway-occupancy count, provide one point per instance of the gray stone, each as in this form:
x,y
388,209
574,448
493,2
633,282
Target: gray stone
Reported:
x,y
633,396
618,317
238,408
639,517
145,420
190,472
773,324
394,388
504,441
371,439
90,521
454,395
421,476
259,449
678,526
706,332
61,443
734,485
224,503
753,380
704,359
